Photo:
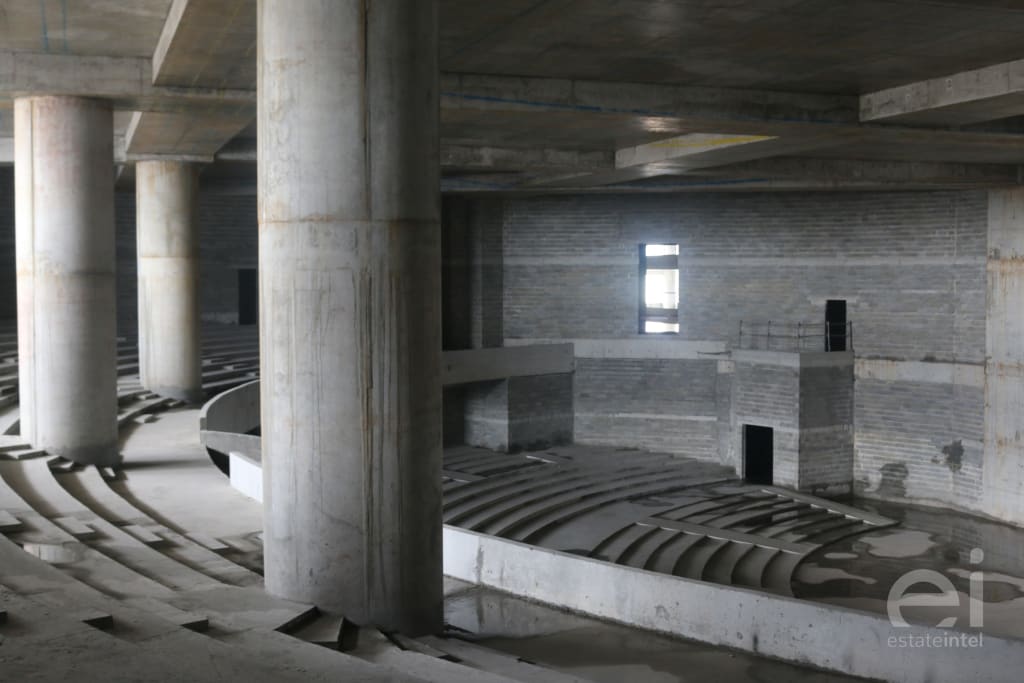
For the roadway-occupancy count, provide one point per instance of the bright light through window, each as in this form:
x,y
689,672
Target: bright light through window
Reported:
x,y
660,282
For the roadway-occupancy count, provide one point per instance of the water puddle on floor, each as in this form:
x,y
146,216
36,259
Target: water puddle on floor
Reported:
x,y
604,652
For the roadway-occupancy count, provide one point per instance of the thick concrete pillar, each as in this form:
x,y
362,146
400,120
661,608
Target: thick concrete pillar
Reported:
x,y
350,328
1003,464
170,361
66,292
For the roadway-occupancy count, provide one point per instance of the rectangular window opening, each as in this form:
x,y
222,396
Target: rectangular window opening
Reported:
x,y
659,289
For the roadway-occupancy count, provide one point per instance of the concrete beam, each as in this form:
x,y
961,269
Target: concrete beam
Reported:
x,y
187,137
126,81
896,173
986,94
690,152
478,365
487,157
208,43
489,102
504,93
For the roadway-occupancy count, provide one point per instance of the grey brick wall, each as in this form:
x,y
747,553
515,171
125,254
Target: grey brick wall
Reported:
x,y
919,440
520,413
486,414
826,429
660,404
8,274
767,395
540,411
229,241
910,265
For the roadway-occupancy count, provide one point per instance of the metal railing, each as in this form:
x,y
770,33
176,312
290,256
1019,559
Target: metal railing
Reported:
x,y
795,337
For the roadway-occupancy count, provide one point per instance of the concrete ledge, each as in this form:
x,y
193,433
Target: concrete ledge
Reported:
x,y
247,445
481,365
792,359
963,374
642,348
236,410
832,638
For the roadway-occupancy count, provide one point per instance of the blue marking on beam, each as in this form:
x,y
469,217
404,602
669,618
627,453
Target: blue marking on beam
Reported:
x,y
64,21
476,183
693,183
556,105
594,109
45,32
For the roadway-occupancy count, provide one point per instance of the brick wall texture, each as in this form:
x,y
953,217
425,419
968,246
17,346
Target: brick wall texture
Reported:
x,y
911,266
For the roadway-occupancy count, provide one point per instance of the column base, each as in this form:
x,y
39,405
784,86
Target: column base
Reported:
x,y
98,456
190,396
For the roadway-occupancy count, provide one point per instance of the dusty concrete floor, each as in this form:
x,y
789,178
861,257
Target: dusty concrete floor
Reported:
x,y
601,651
164,459
859,572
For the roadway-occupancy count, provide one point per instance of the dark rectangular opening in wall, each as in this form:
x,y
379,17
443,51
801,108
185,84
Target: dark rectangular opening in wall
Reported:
x,y
835,325
248,296
758,454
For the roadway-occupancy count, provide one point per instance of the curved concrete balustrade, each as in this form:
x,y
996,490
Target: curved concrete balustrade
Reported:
x,y
227,420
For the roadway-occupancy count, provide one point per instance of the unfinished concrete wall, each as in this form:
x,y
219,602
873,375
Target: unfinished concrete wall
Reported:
x,y
540,411
8,279
1003,463
472,309
911,267
653,403
228,230
227,242
519,413
766,393
826,423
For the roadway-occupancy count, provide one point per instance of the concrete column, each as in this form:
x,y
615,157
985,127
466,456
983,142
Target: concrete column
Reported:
x,y
350,327
66,292
24,244
1002,471
170,361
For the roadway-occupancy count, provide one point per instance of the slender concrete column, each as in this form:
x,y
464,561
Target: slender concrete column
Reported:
x,y
24,244
170,362
65,233
350,327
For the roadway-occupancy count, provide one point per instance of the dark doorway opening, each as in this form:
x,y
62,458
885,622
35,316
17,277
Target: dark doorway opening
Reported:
x,y
758,454
835,325
248,296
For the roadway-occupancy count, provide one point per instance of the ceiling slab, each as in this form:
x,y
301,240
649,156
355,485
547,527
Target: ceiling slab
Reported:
x,y
117,28
208,44
824,46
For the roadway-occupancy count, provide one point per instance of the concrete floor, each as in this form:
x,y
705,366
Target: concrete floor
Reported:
x,y
600,651
169,475
843,554
164,458
858,572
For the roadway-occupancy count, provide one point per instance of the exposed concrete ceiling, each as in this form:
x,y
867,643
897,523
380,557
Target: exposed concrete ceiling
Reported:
x,y
589,95
826,46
